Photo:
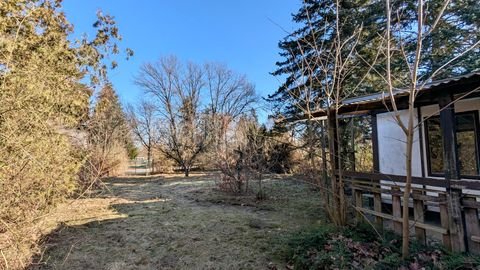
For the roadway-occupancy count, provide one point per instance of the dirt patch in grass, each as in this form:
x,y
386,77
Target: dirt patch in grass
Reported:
x,y
171,222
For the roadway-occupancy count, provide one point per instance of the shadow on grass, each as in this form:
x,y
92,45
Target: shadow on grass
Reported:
x,y
170,222
125,241
146,228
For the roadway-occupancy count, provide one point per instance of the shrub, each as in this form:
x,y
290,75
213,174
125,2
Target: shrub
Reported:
x,y
362,248
42,75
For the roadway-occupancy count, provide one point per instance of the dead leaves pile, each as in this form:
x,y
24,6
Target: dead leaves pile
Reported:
x,y
343,252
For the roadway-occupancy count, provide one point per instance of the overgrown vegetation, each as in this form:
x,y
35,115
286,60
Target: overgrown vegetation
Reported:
x,y
254,151
54,144
44,102
108,144
360,247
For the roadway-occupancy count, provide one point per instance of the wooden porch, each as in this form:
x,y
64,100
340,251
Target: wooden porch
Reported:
x,y
458,222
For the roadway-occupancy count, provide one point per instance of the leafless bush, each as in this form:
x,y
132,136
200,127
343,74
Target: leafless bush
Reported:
x,y
249,161
233,177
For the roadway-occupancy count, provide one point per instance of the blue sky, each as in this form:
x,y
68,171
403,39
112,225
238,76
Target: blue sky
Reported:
x,y
242,34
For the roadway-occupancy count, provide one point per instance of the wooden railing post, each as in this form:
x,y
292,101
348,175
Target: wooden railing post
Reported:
x,y
444,219
397,209
358,203
472,226
377,206
457,232
419,216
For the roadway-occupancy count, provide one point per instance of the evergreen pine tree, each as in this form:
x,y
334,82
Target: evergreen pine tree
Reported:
x,y
109,133
456,31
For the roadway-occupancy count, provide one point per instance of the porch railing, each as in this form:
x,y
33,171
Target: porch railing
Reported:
x,y
457,210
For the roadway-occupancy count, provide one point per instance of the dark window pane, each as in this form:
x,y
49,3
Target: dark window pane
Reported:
x,y
356,143
363,145
435,145
465,122
467,144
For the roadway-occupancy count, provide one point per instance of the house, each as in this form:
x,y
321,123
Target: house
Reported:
x,y
445,161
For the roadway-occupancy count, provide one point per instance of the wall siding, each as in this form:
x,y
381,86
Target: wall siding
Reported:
x,y
391,145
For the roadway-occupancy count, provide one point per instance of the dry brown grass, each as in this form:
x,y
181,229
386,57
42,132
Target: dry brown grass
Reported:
x,y
171,222
16,245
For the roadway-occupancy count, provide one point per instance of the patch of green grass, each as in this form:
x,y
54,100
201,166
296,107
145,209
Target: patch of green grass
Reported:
x,y
460,261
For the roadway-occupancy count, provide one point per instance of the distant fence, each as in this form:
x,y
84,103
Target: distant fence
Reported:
x,y
140,166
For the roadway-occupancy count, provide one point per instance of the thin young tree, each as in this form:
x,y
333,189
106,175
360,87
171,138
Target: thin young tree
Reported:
x,y
322,63
430,24
143,122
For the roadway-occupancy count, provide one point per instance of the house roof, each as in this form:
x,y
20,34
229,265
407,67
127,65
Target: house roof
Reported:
x,y
428,93
404,91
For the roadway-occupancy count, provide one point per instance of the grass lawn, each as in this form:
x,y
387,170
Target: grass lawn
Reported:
x,y
172,222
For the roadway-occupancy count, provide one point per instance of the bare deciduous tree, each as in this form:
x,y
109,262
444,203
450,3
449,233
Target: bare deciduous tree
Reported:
x,y
321,86
144,125
230,95
176,89
188,128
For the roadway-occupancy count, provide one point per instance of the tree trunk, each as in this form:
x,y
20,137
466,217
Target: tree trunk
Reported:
x,y
324,161
341,208
408,184
186,170
149,160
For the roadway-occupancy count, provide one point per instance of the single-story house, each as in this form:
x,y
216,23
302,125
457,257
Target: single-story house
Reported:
x,y
445,162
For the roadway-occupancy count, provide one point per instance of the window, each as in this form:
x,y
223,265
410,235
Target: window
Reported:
x,y
357,150
467,144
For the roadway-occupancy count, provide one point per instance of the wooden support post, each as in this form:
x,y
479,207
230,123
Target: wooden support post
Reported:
x,y
377,206
332,139
377,197
397,209
358,203
472,226
376,159
419,215
452,172
444,219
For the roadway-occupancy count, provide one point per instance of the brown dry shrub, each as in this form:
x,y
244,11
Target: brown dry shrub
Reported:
x,y
99,164
233,178
34,176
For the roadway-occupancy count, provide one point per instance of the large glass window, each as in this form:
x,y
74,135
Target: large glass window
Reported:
x,y
357,151
467,144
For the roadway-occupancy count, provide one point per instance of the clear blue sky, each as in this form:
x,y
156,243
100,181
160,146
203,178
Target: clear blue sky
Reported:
x,y
242,34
